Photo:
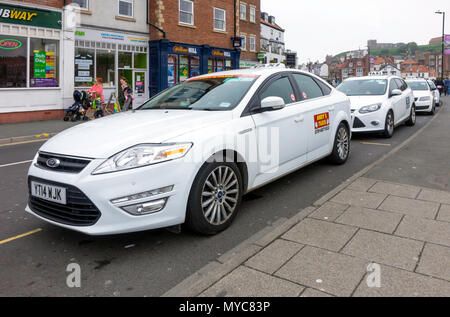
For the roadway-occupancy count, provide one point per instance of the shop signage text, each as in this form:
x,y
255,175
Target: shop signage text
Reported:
x,y
25,16
9,44
221,53
182,49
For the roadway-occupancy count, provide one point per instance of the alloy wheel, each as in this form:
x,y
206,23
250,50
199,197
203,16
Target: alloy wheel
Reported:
x,y
342,143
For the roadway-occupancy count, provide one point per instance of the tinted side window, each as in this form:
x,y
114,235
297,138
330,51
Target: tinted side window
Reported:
x,y
325,88
308,87
280,88
393,85
400,84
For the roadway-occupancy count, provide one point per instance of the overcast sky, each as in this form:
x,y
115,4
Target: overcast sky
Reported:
x,y
315,28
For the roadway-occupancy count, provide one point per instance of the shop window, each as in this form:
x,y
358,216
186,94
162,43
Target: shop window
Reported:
x,y
195,66
84,67
172,70
183,68
220,65
13,62
126,8
252,14
228,64
105,65
186,14
243,11
210,65
140,60
84,4
219,19
125,60
44,57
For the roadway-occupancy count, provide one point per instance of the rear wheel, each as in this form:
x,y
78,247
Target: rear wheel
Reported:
x,y
341,147
389,125
433,110
412,117
215,198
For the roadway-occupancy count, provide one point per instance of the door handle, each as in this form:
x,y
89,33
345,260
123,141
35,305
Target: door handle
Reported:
x,y
331,109
300,119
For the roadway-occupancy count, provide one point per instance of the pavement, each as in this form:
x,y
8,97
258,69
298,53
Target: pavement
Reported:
x,y
384,232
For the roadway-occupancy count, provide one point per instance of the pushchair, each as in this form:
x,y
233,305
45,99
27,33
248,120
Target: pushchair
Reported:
x,y
79,109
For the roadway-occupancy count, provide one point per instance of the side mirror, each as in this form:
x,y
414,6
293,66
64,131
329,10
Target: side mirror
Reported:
x,y
396,92
272,103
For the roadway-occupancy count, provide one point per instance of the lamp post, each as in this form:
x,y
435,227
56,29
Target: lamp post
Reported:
x,y
443,40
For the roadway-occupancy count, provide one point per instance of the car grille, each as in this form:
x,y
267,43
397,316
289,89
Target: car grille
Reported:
x,y
79,211
67,164
421,107
357,123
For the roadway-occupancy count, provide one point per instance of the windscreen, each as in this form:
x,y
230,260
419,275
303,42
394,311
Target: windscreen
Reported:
x,y
214,93
418,85
363,87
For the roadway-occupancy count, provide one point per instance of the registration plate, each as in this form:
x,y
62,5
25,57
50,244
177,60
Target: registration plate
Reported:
x,y
49,192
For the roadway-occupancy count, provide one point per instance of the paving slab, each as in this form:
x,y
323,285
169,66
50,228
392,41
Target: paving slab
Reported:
x,y
329,211
410,207
385,249
362,184
320,234
361,199
274,256
400,283
372,219
311,292
425,230
435,196
333,273
245,282
444,213
400,190
435,261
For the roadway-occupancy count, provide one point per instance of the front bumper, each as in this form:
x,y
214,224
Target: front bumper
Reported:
x,y
424,106
101,189
368,122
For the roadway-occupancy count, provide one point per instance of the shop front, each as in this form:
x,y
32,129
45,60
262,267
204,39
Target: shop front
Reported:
x,y
31,51
172,63
110,56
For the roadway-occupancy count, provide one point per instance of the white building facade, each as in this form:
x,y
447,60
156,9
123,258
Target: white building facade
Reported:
x,y
272,41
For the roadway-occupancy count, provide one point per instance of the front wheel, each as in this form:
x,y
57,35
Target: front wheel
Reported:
x,y
412,117
433,110
215,198
389,125
341,146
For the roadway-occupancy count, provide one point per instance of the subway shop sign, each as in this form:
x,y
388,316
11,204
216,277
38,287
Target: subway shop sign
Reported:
x,y
28,16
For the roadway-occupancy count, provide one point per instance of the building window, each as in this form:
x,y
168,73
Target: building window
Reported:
x,y
44,68
252,14
219,19
186,12
126,8
13,62
84,4
105,67
252,44
243,11
84,67
244,42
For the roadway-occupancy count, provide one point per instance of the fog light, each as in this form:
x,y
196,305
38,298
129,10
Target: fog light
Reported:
x,y
146,208
375,123
143,195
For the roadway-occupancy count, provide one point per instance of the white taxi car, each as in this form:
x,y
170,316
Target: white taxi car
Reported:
x,y
423,95
436,93
189,154
379,103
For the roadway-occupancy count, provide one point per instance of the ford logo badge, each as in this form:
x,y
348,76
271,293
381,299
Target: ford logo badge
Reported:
x,y
53,163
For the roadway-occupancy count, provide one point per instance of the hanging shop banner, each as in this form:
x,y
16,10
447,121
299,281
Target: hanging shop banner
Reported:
x,y
29,16
447,45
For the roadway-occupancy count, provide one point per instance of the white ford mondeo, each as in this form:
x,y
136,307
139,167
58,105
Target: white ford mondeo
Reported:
x,y
189,154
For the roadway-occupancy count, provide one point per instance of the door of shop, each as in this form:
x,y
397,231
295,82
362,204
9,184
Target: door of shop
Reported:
x,y
139,87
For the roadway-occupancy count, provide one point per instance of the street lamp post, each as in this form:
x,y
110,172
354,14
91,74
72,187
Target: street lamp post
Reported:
x,y
443,40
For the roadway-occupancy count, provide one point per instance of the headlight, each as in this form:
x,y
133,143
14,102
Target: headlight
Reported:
x,y
425,98
143,155
371,108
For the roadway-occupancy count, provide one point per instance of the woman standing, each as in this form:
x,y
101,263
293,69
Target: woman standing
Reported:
x,y
125,98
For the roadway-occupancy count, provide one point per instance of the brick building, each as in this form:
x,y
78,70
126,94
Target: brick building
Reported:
x,y
193,37
354,67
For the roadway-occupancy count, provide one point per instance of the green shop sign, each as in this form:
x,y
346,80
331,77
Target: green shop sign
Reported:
x,y
27,16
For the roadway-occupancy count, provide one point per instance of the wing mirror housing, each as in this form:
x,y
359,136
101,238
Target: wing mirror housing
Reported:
x,y
396,92
272,103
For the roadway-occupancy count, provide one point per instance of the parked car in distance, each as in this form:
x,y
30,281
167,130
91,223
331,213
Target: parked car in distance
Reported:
x,y
424,97
189,154
437,94
379,103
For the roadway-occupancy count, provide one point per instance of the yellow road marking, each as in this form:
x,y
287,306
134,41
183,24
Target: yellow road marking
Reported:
x,y
380,144
23,142
20,236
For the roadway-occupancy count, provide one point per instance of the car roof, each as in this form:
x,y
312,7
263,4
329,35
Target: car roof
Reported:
x,y
259,71
372,77
416,80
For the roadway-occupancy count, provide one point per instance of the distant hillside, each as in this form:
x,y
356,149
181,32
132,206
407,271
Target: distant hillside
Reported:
x,y
435,48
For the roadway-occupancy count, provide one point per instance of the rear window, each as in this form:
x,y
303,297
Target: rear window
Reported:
x,y
418,85
363,87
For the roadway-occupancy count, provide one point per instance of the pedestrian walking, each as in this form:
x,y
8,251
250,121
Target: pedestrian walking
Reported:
x,y
123,83
97,88
447,86
125,94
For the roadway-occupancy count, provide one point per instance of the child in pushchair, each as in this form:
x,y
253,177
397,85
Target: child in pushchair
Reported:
x,y
78,110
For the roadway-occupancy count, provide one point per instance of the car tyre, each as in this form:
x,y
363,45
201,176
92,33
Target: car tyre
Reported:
x,y
433,110
341,146
412,117
389,125
215,198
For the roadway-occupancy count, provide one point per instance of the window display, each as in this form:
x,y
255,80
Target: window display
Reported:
x,y
13,62
44,68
